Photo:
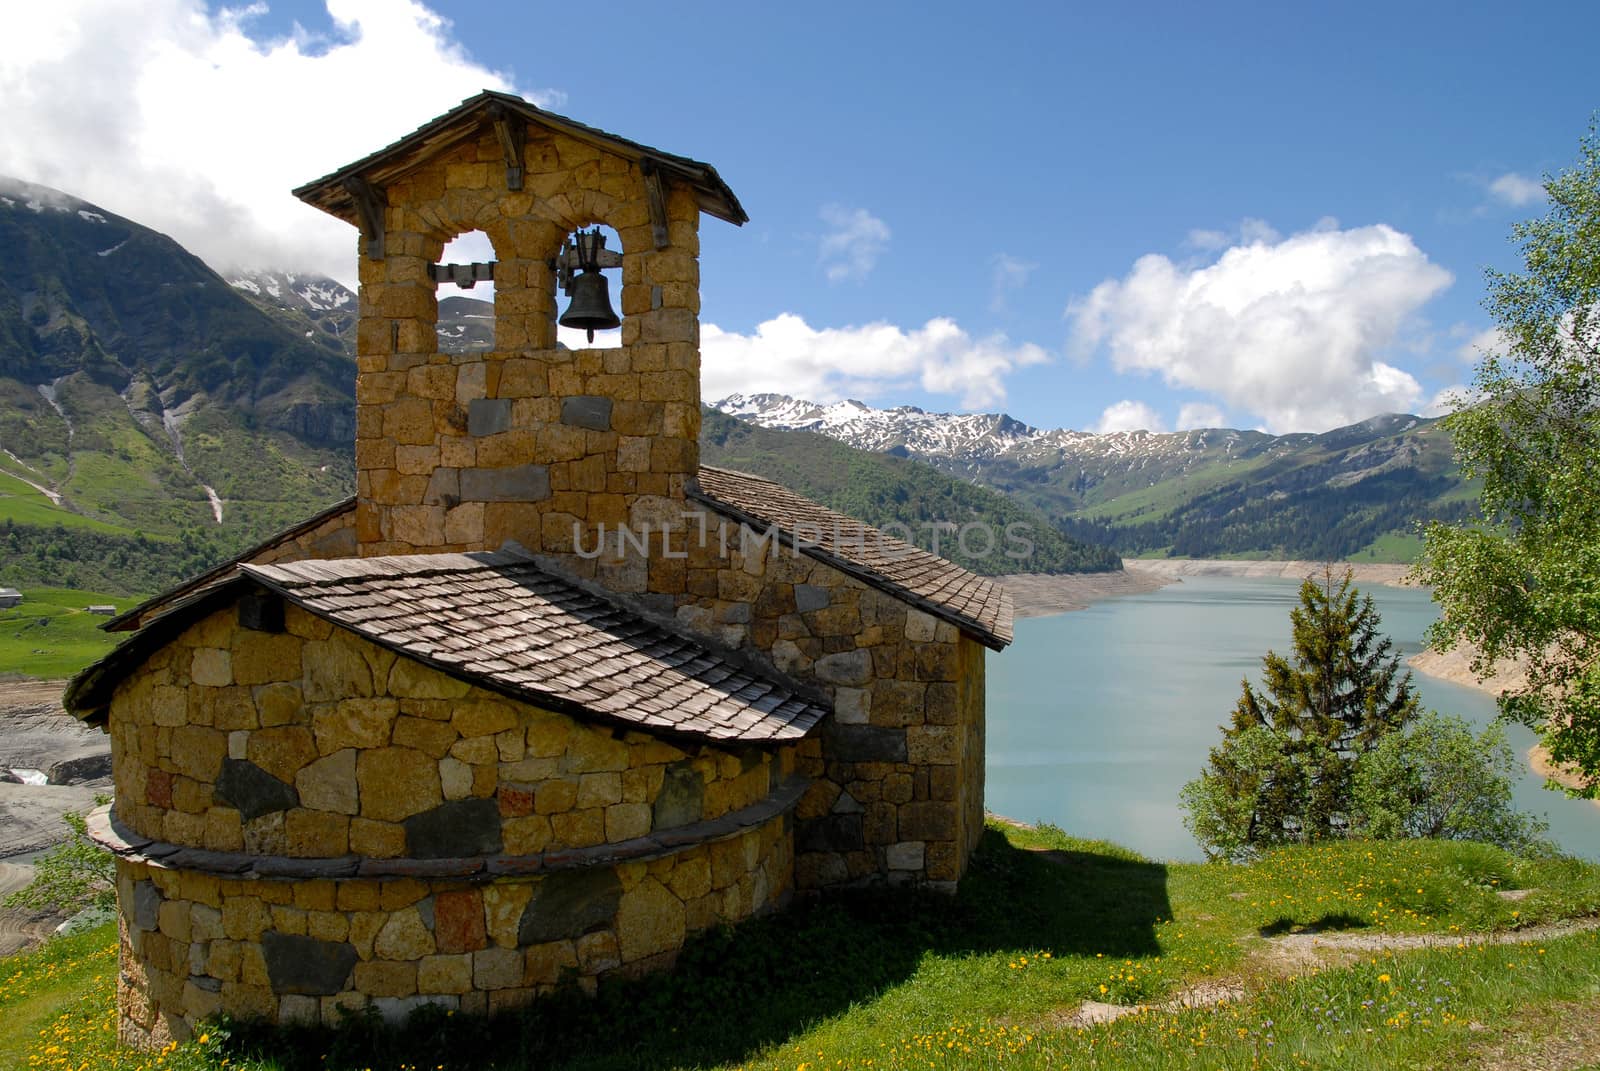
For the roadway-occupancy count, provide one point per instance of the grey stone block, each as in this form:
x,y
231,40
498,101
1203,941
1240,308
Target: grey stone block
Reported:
x,y
835,833
146,905
488,416
454,829
444,488
810,597
846,667
517,483
865,743
587,411
252,791
570,904
306,965
681,799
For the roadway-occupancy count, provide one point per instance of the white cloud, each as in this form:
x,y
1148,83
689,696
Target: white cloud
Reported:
x,y
1128,415
1290,329
1010,274
1449,399
1201,415
1480,345
1208,240
786,354
179,118
853,243
1517,190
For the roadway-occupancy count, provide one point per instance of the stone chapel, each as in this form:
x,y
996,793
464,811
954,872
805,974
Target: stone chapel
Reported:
x,y
547,696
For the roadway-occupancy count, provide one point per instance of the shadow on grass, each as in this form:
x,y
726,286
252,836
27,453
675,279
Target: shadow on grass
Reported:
x,y
1338,920
735,992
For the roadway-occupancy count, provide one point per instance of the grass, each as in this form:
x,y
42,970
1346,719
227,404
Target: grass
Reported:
x,y
1399,548
1042,923
50,634
22,504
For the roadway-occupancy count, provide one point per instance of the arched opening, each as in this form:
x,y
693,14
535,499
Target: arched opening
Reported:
x,y
466,297
590,295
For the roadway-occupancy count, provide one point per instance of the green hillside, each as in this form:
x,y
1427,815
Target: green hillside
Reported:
x,y
882,489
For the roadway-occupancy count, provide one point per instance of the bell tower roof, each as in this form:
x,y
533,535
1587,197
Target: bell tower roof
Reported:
x,y
336,193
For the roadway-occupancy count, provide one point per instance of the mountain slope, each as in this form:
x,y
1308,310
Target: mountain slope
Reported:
x,y
139,392
1352,492
887,491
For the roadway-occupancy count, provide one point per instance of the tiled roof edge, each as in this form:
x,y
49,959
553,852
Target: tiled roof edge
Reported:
x,y
990,638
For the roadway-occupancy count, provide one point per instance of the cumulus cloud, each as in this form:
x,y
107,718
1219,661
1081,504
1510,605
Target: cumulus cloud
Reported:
x,y
1481,344
182,118
1516,190
1009,274
1201,415
854,241
1290,329
1128,415
787,355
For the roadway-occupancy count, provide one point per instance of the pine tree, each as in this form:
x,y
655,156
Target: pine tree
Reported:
x,y
1284,769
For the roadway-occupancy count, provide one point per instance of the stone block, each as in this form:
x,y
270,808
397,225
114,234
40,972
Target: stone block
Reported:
x,y
404,937
625,821
278,704
458,921
397,783
852,706
252,791
497,968
430,737
568,904
315,834
864,743
488,416
409,679
932,744
305,965
681,799
846,667
382,978
555,797
929,821
455,828
518,483
444,974
833,833
211,667
650,920
921,627
198,752
906,855
354,723
587,411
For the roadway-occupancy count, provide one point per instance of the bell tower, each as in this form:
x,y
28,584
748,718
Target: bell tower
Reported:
x,y
531,441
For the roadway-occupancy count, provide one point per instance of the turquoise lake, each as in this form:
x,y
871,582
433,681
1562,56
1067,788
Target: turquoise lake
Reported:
x,y
1098,717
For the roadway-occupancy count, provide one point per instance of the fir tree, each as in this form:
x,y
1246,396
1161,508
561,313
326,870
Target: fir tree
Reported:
x,y
1284,769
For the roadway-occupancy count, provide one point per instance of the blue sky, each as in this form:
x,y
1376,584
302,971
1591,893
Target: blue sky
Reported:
x,y
1089,216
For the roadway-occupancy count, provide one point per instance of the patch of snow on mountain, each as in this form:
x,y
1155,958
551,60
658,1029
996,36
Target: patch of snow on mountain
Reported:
x,y
91,217
113,249
245,284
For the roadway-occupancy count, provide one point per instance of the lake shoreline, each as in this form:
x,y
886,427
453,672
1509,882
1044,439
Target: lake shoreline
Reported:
x,y
1042,594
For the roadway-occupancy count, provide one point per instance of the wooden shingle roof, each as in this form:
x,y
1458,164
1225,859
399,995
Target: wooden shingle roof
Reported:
x,y
976,604
330,193
501,621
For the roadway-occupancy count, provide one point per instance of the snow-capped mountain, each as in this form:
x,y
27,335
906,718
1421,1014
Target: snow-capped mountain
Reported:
x,y
1325,495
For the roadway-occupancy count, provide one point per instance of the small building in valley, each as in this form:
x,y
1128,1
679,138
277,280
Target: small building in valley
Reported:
x,y
9,597
547,696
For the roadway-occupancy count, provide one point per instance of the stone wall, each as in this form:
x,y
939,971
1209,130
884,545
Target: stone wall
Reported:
x,y
898,792
301,949
305,801
314,743
464,452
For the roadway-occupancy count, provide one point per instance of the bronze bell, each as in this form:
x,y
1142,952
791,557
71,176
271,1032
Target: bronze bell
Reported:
x,y
591,304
